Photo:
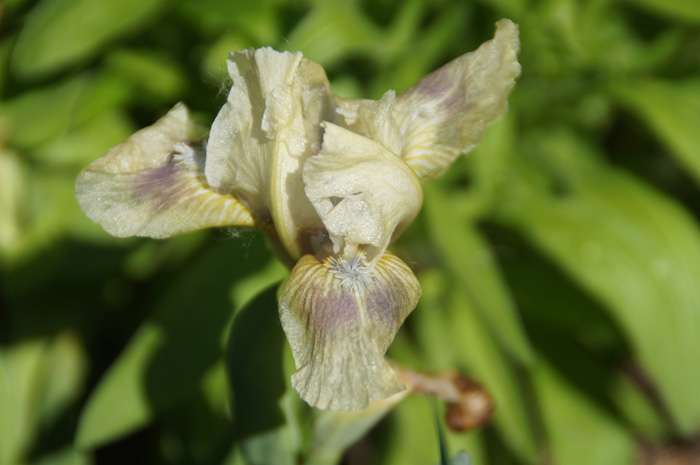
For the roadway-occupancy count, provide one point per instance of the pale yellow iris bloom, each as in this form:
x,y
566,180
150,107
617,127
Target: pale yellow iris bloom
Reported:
x,y
332,182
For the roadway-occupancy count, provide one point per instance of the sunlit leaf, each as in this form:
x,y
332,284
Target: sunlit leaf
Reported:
x,y
430,321
19,368
214,63
672,112
120,403
275,445
411,434
150,73
257,20
422,56
42,113
636,251
461,459
64,370
578,430
12,201
59,33
334,432
332,30
186,331
64,457
467,256
489,365
637,408
82,145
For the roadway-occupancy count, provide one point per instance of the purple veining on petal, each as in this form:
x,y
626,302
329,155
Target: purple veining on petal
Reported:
x,y
455,102
433,85
342,310
383,307
164,184
161,185
440,88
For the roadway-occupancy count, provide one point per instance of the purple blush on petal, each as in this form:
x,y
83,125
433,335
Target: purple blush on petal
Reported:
x,y
433,85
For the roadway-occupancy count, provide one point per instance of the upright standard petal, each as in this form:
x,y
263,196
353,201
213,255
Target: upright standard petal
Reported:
x,y
262,135
445,114
364,194
153,184
373,119
340,317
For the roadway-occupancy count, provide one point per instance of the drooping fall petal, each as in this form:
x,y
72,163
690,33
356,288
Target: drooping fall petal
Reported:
x,y
153,184
363,193
445,114
340,317
264,132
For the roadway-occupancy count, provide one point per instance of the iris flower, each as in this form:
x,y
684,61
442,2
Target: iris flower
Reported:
x,y
331,181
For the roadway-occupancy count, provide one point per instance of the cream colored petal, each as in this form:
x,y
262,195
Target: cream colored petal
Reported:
x,y
444,115
364,194
373,119
268,126
153,184
340,318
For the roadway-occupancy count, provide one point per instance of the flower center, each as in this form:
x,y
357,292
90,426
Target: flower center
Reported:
x,y
354,274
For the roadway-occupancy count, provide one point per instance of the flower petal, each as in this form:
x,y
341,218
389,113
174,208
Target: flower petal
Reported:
x,y
373,119
153,184
445,114
340,318
263,133
364,194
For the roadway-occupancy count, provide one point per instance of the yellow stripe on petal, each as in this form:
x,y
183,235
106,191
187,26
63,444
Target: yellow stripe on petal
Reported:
x,y
153,185
340,317
445,114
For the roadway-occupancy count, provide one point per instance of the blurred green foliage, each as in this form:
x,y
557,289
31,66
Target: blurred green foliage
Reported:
x,y
559,262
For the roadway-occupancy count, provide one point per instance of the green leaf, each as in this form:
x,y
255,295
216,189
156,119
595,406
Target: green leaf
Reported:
x,y
273,446
64,369
64,457
150,73
41,113
452,334
672,112
431,321
12,202
19,366
39,379
461,459
169,355
684,10
5,53
637,409
254,363
636,251
579,432
213,67
267,413
120,402
59,33
411,434
468,258
334,432
333,30
489,366
258,20
421,56
82,145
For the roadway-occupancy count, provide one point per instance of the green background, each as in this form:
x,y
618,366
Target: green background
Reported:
x,y
560,261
